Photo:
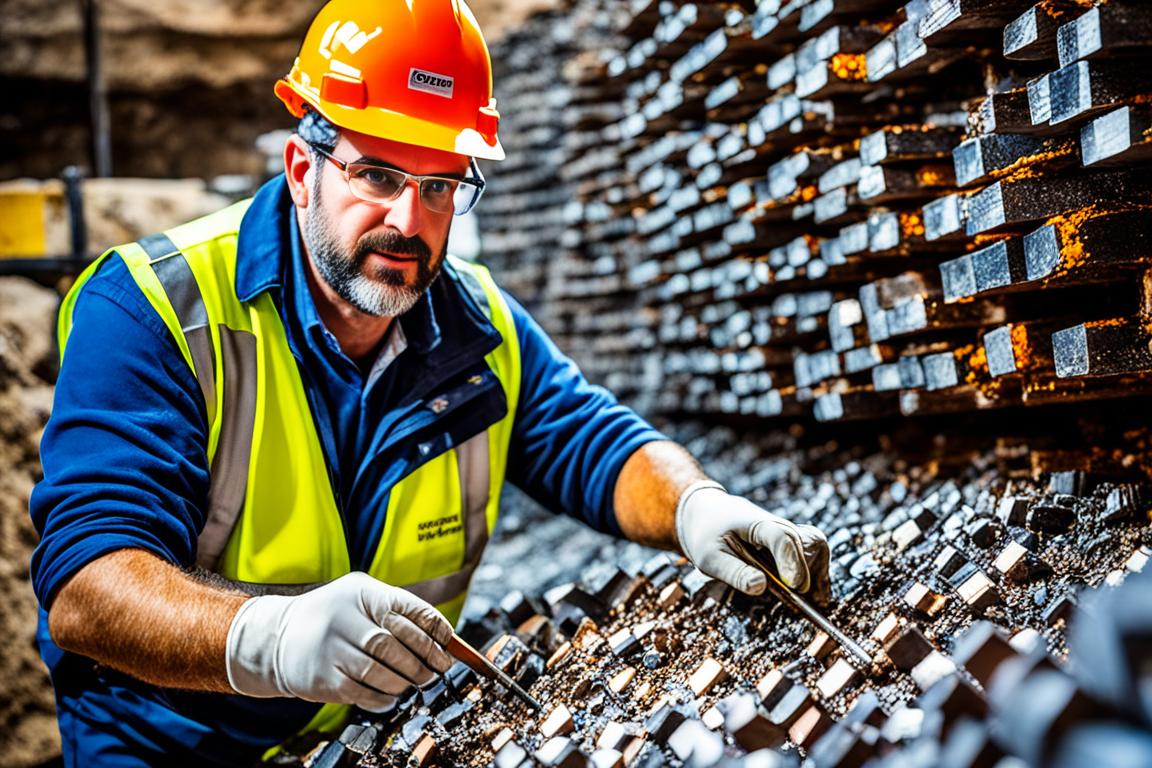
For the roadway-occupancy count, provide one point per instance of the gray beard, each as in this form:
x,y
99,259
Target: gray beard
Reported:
x,y
384,292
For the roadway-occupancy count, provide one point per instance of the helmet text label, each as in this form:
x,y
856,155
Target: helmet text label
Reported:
x,y
430,82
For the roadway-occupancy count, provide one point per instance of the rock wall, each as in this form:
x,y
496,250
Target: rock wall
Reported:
x,y
28,734
189,81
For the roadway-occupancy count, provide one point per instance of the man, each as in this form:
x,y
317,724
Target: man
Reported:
x,y
281,431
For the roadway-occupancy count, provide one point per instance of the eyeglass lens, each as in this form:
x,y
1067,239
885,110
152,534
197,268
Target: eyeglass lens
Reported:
x,y
382,185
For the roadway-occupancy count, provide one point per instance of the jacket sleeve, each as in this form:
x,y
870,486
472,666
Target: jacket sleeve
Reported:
x,y
124,451
571,437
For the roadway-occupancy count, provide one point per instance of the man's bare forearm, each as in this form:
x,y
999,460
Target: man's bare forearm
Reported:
x,y
647,489
134,612
250,588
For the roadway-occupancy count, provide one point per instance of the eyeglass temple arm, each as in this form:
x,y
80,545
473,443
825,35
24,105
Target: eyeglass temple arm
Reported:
x,y
475,170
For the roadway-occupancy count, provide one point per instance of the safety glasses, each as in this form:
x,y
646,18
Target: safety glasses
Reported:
x,y
381,184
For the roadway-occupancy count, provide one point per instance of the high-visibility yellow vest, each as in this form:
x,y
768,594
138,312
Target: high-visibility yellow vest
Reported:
x,y
273,518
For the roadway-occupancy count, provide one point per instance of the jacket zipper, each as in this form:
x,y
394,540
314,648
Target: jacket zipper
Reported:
x,y
425,416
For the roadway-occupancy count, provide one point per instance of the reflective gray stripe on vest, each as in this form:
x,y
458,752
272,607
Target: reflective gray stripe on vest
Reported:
x,y
472,458
180,284
229,475
228,481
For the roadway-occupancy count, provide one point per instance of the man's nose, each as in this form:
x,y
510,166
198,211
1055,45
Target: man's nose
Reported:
x,y
406,212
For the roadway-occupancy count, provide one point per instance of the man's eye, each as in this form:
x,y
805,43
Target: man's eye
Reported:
x,y
439,186
373,175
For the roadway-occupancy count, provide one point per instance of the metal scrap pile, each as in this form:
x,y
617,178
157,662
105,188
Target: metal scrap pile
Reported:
x,y
962,589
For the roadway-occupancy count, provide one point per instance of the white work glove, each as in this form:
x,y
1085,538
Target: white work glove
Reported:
x,y
355,640
707,517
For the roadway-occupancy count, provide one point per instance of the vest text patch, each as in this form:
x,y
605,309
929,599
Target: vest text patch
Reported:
x,y
434,529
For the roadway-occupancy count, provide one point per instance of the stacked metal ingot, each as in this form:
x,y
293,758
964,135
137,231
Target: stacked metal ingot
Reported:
x,y
847,210
522,211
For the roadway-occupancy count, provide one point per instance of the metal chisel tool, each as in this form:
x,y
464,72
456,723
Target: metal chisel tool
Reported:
x,y
785,594
479,662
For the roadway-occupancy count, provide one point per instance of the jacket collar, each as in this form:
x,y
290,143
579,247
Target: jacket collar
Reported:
x,y
264,241
445,313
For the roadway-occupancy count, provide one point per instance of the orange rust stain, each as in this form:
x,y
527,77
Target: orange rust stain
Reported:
x,y
850,66
1026,167
980,241
974,358
1021,346
1059,10
935,176
911,225
1072,252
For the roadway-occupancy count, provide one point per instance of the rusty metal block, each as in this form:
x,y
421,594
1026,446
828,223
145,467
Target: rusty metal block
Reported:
x,y
1017,564
510,755
981,650
772,687
560,752
923,600
663,722
694,744
979,592
621,679
707,675
791,705
886,629
1050,518
558,722
908,649
424,752
750,726
931,669
837,678
821,646
811,725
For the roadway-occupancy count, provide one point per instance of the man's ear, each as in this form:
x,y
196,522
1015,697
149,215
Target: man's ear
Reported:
x,y
297,164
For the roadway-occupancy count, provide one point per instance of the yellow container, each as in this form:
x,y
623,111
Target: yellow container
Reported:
x,y
26,209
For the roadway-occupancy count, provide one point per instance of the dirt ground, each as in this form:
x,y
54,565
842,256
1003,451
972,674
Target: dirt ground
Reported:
x,y
28,734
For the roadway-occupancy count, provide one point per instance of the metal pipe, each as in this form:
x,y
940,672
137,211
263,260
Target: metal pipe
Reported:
x,y
97,93
78,228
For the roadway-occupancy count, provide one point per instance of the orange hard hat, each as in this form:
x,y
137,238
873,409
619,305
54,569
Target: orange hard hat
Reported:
x,y
413,71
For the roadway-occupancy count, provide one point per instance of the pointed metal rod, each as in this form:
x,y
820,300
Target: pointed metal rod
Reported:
x,y
479,662
785,594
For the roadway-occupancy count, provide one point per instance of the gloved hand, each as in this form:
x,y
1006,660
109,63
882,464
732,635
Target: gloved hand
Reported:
x,y
707,516
355,640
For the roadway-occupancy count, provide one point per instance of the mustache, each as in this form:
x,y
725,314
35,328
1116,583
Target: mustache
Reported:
x,y
392,242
